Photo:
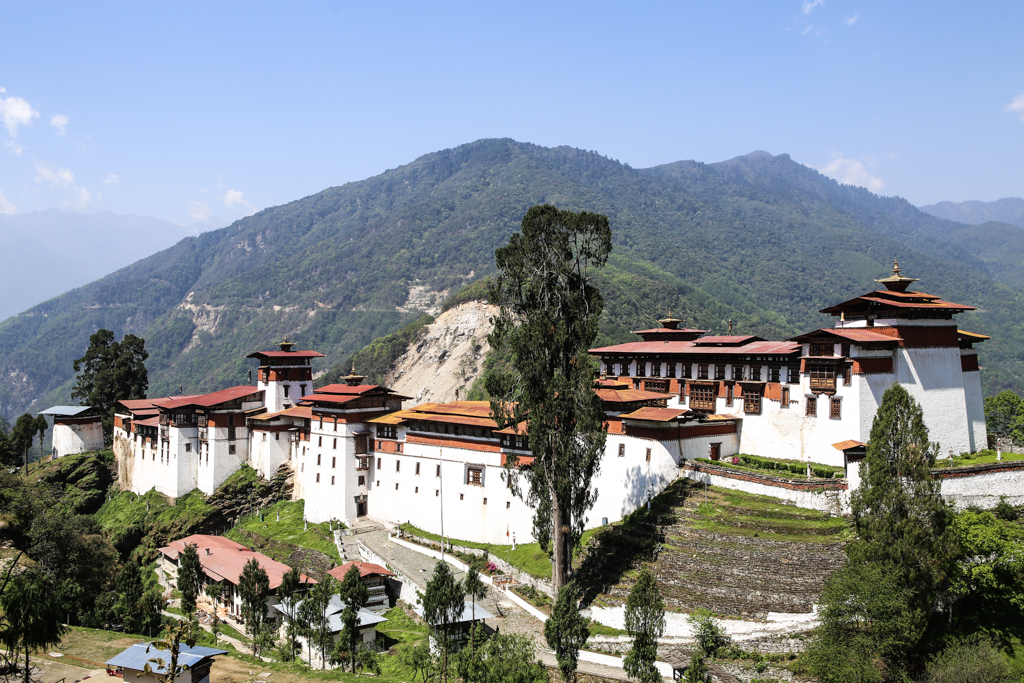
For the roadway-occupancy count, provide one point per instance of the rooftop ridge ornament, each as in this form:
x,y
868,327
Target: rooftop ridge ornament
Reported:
x,y
286,345
897,282
670,323
352,379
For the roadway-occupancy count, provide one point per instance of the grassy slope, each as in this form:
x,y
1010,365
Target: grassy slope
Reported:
x,y
286,534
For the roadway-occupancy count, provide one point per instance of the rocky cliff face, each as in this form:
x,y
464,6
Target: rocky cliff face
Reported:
x,y
443,365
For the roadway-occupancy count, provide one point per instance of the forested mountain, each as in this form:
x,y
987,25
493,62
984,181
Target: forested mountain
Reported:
x,y
1007,210
50,252
760,240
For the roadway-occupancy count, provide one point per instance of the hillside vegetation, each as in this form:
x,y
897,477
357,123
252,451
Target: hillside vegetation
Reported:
x,y
760,240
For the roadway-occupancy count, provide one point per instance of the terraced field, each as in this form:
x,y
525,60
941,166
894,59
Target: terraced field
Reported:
x,y
737,554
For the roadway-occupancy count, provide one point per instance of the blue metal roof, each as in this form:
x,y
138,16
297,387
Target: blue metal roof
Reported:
x,y
65,411
139,655
333,614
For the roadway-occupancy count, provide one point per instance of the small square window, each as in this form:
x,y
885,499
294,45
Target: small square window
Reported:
x,y
436,493
462,496
396,485
417,489
231,451
362,481
485,501
508,505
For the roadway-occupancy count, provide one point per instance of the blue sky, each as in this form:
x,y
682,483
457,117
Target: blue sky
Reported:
x,y
185,110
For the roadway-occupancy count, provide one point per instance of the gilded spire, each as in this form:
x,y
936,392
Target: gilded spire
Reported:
x,y
897,282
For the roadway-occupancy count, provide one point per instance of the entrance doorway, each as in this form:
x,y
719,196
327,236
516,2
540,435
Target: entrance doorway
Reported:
x,y
716,451
361,508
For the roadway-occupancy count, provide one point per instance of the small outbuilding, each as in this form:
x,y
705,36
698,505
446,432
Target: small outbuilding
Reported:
x,y
76,429
131,664
375,577
461,627
367,626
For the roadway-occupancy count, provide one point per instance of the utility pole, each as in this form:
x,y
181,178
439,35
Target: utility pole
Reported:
x,y
440,485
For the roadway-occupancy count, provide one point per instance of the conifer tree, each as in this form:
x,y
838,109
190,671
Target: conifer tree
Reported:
x,y
288,593
443,604
129,596
566,631
32,615
645,623
547,322
353,593
190,578
111,371
254,589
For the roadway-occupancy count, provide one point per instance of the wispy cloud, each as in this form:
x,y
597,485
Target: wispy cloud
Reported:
x,y
1017,106
14,147
79,199
111,179
200,211
809,5
852,172
850,21
57,177
60,122
234,197
15,112
6,206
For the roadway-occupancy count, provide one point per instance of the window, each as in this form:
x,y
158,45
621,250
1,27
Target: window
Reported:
x,y
625,368
609,368
277,436
417,468
773,373
378,483
362,444
823,377
655,369
822,349
378,463
436,493
671,370
835,410
417,489
641,368
729,389
475,475
231,433
396,485
400,447
656,385
188,447
785,397
321,424
318,477
485,501
847,375
462,496
398,465
622,450
845,350
737,373
334,462
332,481
719,371
755,373
335,444
319,441
387,432
702,397
302,390
362,481
812,406
687,370
793,374
318,459
648,455
752,400
286,391
508,505
231,451
438,471
702,371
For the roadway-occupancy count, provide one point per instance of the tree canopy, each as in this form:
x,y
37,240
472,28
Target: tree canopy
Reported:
x,y
443,602
190,578
550,310
111,371
645,623
566,631
254,589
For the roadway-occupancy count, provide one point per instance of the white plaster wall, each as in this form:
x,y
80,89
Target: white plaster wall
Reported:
x,y
836,502
77,438
978,431
181,474
933,376
985,489
213,472
268,451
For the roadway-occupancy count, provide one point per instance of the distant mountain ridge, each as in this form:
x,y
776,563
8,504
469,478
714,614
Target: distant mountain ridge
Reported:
x,y
760,240
1007,210
54,251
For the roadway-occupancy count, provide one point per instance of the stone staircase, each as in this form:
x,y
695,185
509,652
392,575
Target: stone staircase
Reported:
x,y
731,570
347,540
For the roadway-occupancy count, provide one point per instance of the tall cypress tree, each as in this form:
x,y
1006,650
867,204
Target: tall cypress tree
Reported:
x,y
254,589
190,578
548,321
645,623
353,593
566,631
443,603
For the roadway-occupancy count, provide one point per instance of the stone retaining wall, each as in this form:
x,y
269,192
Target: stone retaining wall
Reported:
x,y
825,495
983,485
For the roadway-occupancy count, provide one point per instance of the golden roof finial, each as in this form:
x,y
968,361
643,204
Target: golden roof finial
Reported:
x,y
896,266
896,282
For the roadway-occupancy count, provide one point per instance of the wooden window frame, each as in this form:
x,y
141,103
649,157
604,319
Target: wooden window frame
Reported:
x,y
792,374
702,371
687,370
641,368
719,372
755,373
817,348
703,397
475,476
622,450
835,408
737,373
774,373
784,399
811,406
752,400
655,369
823,377
670,370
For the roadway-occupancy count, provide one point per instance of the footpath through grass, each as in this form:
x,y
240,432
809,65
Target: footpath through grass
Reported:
x,y
982,457
527,557
289,531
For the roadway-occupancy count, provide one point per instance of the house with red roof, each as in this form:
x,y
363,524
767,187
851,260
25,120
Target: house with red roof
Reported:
x,y
376,579
222,561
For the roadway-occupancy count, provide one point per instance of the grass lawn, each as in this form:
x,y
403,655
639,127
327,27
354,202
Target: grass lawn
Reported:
x,y
983,457
90,648
290,530
746,514
527,557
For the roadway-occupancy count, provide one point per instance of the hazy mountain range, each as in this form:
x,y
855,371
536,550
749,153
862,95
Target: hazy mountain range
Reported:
x,y
760,240
50,252
1009,210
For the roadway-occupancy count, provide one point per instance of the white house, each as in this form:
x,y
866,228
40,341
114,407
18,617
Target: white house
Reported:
x,y
76,429
131,664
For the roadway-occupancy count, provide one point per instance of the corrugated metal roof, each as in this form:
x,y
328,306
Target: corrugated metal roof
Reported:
x,y
655,414
365,569
628,395
208,400
286,354
226,559
848,444
726,339
65,411
328,398
467,613
348,388
973,336
333,612
690,348
139,655
857,334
